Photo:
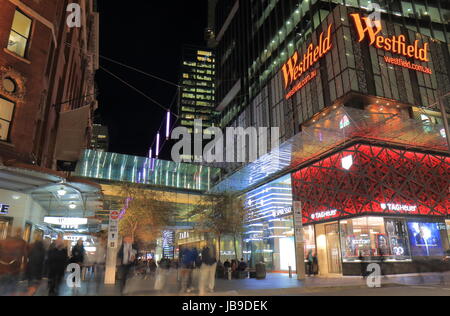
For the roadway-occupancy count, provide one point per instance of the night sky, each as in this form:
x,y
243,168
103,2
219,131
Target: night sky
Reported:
x,y
148,35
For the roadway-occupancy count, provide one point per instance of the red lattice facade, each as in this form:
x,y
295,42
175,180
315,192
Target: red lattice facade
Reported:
x,y
380,181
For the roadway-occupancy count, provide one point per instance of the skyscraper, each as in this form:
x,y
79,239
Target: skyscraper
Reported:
x,y
197,100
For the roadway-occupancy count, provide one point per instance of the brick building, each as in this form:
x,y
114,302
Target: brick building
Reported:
x,y
47,70
47,104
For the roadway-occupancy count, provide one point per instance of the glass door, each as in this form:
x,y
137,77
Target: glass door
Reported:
x,y
4,228
333,249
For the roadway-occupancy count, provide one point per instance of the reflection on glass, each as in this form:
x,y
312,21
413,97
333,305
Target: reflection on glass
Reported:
x,y
371,238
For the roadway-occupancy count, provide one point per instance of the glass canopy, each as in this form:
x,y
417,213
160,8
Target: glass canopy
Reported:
x,y
337,129
124,168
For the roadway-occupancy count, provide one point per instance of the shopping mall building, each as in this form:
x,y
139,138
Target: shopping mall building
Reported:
x,y
363,166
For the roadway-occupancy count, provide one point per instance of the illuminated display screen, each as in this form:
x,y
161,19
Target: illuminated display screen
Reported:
x,y
426,240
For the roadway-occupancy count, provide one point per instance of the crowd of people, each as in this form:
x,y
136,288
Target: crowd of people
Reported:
x,y
24,267
42,259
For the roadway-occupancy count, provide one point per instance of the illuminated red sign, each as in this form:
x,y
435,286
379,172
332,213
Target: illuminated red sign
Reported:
x,y
296,66
395,44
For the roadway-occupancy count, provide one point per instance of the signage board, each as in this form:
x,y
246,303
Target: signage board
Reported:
x,y
4,209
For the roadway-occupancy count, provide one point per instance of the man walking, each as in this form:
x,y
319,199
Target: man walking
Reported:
x,y
126,259
208,269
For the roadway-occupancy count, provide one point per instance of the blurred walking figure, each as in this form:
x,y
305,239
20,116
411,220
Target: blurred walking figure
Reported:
x,y
208,269
57,263
162,274
100,262
13,256
188,258
36,260
363,265
310,260
126,259
78,253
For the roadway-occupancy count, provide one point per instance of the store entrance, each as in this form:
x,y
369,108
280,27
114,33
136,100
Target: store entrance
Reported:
x,y
5,226
328,249
333,248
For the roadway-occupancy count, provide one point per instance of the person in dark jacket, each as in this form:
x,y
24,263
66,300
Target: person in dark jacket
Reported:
x,y
78,253
57,262
208,269
36,259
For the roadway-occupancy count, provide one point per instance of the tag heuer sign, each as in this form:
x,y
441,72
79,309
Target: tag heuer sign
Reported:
x,y
4,209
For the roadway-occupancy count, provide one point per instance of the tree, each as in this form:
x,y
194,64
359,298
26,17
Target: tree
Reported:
x,y
221,214
148,212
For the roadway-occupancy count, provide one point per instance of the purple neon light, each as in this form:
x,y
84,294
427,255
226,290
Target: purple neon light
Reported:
x,y
168,125
157,145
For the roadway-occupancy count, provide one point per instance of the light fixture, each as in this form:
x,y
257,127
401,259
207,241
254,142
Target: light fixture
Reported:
x,y
62,192
157,145
168,125
72,206
347,162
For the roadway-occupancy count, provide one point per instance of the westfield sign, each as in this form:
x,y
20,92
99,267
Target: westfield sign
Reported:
x,y
296,66
367,28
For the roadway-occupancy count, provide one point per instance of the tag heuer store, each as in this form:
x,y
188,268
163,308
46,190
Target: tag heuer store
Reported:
x,y
370,204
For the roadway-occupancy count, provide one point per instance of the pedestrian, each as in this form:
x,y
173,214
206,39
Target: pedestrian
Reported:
x,y
78,253
187,260
100,262
57,262
362,265
242,265
227,268
36,261
127,260
310,262
13,256
162,274
208,269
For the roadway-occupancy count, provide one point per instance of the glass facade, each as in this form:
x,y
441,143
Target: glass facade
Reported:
x,y
262,35
269,235
116,167
374,238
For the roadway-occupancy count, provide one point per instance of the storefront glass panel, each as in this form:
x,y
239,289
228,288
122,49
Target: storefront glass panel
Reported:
x,y
269,235
374,238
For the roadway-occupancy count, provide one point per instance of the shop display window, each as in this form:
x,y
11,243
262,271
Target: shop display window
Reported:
x,y
310,240
374,239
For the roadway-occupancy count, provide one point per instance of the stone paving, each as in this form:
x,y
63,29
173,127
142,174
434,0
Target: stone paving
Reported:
x,y
274,284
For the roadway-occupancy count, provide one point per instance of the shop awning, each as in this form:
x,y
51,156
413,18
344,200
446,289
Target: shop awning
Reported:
x,y
81,197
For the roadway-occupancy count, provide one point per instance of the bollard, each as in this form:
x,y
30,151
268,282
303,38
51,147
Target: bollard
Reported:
x,y
290,272
229,274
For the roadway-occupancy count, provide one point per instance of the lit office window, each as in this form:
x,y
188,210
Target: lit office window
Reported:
x,y
20,34
6,114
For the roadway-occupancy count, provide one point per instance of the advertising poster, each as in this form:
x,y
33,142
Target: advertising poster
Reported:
x,y
425,239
